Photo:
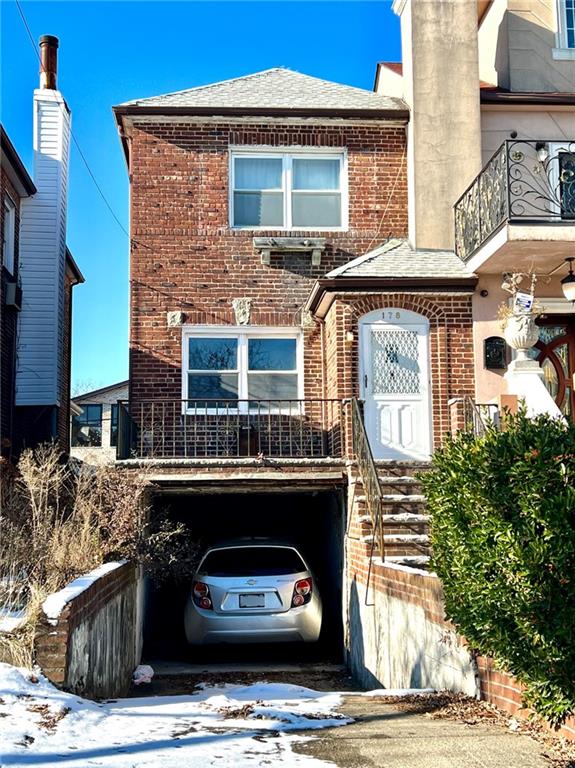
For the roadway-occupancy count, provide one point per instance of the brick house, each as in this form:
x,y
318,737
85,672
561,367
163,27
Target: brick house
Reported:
x,y
38,275
272,285
245,196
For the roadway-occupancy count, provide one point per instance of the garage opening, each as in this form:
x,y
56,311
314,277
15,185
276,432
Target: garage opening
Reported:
x,y
312,522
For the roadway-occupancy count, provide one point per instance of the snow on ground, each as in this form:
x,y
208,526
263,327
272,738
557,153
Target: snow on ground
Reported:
x,y
11,620
230,725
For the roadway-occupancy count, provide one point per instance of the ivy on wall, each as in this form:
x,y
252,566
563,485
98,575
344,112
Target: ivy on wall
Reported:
x,y
503,536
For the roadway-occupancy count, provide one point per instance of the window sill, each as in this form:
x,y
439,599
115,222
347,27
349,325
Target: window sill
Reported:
x,y
564,54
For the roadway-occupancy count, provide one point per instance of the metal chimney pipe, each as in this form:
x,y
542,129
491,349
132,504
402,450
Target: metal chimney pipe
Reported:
x,y
48,61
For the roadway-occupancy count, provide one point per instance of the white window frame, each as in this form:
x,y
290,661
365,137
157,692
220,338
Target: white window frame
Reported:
x,y
242,333
562,51
9,234
287,155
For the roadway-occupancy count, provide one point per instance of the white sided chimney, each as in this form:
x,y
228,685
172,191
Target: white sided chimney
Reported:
x,y
43,244
441,87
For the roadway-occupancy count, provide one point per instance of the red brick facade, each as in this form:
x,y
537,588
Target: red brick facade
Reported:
x,y
450,345
186,257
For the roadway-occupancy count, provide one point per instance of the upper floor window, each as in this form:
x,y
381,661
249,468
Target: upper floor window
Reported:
x,y
8,235
87,427
288,191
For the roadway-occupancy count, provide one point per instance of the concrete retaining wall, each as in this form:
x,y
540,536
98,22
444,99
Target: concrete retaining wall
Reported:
x,y
396,636
94,645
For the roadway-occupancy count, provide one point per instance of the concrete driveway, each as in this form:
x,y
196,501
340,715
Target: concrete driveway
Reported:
x,y
385,736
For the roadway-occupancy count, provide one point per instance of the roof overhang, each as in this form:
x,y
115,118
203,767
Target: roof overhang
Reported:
x,y
325,290
524,98
74,268
14,167
134,111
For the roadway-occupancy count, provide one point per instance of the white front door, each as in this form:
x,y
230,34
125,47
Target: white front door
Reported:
x,y
394,369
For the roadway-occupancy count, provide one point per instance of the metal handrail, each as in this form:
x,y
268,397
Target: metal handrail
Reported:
x,y
474,419
368,473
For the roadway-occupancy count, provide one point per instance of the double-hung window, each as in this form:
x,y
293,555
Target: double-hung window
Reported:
x,y
288,191
245,369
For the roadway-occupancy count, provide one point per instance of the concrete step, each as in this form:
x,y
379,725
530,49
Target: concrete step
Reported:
x,y
402,498
406,538
386,479
409,518
412,560
395,498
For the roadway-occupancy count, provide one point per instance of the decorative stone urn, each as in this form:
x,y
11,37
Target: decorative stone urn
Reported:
x,y
521,333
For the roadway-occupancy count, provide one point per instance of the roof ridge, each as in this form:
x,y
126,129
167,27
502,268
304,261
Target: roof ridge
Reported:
x,y
244,78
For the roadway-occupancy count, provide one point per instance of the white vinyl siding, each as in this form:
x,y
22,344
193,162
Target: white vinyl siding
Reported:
x,y
43,257
296,190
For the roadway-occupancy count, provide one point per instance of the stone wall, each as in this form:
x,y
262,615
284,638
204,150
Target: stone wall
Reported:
x,y
92,649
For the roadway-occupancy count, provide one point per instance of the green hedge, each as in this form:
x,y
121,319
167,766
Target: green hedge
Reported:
x,y
503,537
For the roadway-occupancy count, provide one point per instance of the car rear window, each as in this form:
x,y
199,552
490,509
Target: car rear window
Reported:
x,y
252,561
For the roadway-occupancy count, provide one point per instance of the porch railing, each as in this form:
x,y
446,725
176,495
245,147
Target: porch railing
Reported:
x,y
195,429
532,182
368,474
478,417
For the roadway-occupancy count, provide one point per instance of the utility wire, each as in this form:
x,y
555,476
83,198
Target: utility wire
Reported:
x,y
74,139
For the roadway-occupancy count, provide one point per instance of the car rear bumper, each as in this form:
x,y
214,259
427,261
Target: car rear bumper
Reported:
x,y
296,625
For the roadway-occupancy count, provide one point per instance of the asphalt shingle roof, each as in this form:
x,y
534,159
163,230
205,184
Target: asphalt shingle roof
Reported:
x,y
277,88
396,258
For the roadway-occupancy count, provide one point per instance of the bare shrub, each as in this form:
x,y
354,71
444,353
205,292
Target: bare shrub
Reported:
x,y
60,519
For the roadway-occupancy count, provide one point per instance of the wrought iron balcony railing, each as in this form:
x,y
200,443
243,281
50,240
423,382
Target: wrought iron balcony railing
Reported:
x,y
196,429
524,182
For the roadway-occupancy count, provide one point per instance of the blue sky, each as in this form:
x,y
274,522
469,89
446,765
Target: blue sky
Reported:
x,y
115,51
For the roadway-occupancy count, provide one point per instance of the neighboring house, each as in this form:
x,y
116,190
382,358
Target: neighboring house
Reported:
x,y
492,169
94,426
16,185
37,308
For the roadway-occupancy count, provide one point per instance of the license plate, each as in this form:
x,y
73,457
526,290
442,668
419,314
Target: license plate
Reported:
x,y
253,600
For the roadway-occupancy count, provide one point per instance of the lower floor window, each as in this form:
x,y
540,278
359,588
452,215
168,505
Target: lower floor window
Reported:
x,y
87,427
224,367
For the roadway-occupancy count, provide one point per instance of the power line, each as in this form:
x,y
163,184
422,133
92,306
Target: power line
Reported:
x,y
74,139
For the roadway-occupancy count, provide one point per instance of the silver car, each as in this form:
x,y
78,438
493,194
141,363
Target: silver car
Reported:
x,y
253,591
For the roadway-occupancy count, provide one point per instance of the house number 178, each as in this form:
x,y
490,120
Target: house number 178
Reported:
x,y
391,315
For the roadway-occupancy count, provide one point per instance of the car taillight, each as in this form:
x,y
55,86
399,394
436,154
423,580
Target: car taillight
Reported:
x,y
302,592
201,594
